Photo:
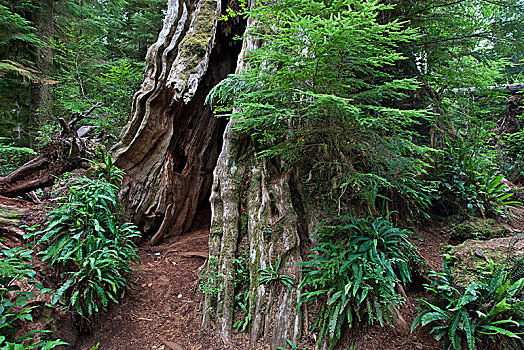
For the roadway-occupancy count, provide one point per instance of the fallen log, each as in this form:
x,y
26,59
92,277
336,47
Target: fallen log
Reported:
x,y
66,153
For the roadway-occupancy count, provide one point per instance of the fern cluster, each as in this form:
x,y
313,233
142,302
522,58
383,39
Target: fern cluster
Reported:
x,y
354,273
471,180
15,265
86,241
487,314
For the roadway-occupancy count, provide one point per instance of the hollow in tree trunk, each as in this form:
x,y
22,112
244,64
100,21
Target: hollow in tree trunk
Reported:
x,y
177,157
170,147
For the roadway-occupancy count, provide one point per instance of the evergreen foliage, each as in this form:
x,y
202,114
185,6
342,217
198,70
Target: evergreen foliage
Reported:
x,y
487,314
318,93
98,48
353,272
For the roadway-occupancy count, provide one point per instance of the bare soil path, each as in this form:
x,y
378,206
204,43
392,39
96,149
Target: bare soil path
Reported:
x,y
162,308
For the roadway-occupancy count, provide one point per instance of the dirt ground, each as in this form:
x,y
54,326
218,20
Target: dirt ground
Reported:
x,y
162,310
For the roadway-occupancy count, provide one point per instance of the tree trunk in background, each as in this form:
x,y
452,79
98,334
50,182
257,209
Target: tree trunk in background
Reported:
x,y
41,94
170,147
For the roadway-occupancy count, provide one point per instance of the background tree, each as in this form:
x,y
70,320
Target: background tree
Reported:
x,y
70,53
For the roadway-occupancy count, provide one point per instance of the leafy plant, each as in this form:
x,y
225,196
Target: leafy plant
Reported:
x,y
11,156
470,177
271,274
292,346
210,279
15,265
487,314
244,322
354,273
86,241
106,169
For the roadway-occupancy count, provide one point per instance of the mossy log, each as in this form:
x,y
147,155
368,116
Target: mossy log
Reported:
x,y
10,222
67,152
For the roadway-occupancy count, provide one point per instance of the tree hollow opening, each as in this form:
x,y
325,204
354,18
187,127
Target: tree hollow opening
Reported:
x,y
195,145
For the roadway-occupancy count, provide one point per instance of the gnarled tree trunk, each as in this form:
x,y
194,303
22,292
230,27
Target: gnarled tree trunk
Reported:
x,y
255,211
173,150
170,147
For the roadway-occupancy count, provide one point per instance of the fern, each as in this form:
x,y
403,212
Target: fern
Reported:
x,y
86,241
487,314
354,271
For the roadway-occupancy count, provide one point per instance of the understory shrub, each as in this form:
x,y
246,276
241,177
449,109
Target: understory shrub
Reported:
x,y
12,157
15,266
353,271
86,241
487,314
471,180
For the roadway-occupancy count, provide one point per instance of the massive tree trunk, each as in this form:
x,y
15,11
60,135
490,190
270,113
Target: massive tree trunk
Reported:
x,y
255,217
170,147
173,150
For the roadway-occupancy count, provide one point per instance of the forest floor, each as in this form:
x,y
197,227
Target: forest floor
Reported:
x,y
162,309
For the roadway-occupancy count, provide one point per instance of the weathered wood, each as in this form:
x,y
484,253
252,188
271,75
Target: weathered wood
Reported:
x,y
512,88
174,153
169,149
64,154
252,207
10,222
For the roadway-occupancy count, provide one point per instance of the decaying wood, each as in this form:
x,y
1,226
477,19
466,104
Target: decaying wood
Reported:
x,y
169,149
511,88
65,154
10,222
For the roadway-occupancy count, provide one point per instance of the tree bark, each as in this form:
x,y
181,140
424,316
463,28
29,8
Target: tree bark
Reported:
x,y
41,93
256,211
175,153
170,147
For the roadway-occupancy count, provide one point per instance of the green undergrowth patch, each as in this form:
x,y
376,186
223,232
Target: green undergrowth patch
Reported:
x,y
479,228
353,271
18,290
88,244
487,313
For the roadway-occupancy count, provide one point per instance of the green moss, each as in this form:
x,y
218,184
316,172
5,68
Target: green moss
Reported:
x,y
478,262
194,46
216,231
9,217
478,228
243,223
